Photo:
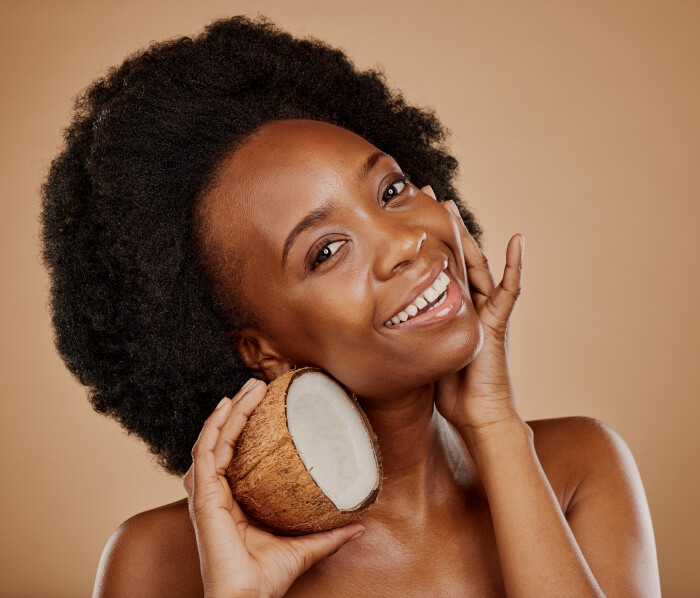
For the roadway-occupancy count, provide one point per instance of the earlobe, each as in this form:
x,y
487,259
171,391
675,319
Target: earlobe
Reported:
x,y
259,356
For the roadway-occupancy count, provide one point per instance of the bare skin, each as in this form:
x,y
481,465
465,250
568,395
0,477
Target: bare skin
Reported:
x,y
475,501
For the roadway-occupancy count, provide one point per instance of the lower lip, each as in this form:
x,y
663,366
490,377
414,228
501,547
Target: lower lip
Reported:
x,y
449,308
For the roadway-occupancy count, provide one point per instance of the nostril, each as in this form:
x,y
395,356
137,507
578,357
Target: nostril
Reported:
x,y
416,252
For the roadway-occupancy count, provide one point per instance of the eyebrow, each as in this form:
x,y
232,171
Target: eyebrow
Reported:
x,y
320,214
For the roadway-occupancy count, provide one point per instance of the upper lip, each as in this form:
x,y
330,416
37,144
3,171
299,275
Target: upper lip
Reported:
x,y
425,281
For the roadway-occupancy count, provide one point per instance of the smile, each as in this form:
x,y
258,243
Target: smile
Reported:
x,y
438,302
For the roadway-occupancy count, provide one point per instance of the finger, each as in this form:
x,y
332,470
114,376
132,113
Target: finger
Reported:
x,y
244,403
314,547
203,478
500,304
477,272
218,521
188,478
428,190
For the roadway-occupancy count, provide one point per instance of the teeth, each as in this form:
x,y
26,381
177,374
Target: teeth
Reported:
x,y
431,294
428,296
439,303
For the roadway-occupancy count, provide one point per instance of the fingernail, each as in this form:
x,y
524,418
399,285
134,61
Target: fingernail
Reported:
x,y
249,383
357,535
222,402
431,192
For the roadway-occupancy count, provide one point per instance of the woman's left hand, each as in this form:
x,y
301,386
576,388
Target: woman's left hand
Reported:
x,y
481,393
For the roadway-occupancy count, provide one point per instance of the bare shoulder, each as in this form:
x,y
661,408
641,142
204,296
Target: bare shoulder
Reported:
x,y
574,449
561,430
576,440
153,554
573,446
596,480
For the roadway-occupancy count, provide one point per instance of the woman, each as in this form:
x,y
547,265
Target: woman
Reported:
x,y
236,205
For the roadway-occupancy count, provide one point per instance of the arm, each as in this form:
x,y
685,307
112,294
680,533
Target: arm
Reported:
x,y
539,552
607,545
236,558
215,551
607,510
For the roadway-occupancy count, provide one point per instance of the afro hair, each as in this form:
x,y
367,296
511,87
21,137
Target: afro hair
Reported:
x,y
135,313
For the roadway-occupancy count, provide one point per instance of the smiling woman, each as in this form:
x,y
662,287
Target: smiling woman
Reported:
x,y
237,204
387,243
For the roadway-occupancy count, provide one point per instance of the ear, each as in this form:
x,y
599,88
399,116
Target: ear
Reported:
x,y
259,355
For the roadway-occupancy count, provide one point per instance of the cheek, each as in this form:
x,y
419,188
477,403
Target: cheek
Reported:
x,y
380,369
444,226
340,315
328,324
437,222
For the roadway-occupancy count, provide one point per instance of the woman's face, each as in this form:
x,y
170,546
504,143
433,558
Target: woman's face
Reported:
x,y
334,244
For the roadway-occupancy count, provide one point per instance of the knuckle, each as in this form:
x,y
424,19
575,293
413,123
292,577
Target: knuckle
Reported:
x,y
499,334
303,560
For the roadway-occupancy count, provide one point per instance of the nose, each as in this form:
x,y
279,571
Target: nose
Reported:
x,y
398,246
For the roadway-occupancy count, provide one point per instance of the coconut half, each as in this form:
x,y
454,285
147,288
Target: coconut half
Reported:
x,y
307,459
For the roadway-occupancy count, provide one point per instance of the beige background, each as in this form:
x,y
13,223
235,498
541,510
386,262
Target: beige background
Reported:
x,y
576,123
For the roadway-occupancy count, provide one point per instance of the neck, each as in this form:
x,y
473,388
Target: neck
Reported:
x,y
421,460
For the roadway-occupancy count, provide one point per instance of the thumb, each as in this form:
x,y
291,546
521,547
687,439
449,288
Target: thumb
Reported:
x,y
314,547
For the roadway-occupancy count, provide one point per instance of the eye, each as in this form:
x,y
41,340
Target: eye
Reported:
x,y
326,252
395,188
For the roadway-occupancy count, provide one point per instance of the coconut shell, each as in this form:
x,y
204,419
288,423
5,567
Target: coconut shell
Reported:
x,y
269,480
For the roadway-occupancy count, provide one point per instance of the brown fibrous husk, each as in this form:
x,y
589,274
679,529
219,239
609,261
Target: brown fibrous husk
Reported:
x,y
269,480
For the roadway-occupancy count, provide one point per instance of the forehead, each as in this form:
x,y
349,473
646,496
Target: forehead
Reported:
x,y
282,172
287,152
297,142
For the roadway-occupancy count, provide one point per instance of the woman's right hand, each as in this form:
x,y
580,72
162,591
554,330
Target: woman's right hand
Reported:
x,y
236,558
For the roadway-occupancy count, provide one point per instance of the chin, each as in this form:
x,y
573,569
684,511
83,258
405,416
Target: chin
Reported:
x,y
463,347
473,348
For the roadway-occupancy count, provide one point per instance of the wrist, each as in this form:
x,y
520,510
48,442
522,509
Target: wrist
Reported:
x,y
501,439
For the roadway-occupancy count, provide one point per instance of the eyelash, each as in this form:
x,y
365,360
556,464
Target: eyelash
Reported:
x,y
404,178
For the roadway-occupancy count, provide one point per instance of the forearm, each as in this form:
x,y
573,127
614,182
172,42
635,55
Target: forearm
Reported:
x,y
539,555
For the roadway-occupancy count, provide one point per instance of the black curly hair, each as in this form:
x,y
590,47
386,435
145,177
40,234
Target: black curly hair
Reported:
x,y
137,311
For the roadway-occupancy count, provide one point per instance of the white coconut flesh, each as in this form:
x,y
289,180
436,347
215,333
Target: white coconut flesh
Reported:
x,y
331,439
